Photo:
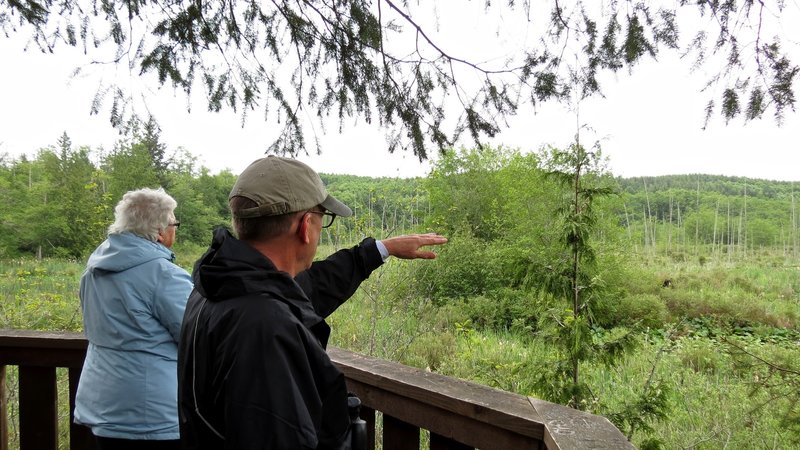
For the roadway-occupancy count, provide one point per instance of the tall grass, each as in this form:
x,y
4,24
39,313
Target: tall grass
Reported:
x,y
713,402
40,295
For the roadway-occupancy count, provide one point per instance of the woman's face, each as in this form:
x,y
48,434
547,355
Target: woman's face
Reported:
x,y
167,236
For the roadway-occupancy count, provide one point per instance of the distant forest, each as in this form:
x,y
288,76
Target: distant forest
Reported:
x,y
60,202
715,213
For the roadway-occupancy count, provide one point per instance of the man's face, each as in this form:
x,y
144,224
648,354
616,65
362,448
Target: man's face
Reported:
x,y
314,218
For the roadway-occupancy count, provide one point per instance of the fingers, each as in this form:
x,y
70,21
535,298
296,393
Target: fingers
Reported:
x,y
426,239
432,239
426,255
408,246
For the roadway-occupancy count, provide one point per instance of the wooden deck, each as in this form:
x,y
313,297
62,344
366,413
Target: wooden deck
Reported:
x,y
459,415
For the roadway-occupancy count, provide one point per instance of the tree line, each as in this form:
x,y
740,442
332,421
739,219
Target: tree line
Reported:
x,y
711,215
60,202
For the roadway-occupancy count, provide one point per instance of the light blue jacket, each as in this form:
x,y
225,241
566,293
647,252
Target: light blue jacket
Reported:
x,y
133,297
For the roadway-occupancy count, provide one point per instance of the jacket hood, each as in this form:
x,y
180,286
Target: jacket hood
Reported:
x,y
231,268
121,251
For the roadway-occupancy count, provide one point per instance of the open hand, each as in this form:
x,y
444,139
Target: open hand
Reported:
x,y
408,246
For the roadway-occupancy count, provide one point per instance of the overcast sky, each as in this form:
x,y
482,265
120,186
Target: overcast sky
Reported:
x,y
649,123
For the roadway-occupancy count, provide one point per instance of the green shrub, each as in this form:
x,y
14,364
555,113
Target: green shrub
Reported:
x,y
40,295
701,358
644,310
504,309
498,359
463,268
745,284
637,281
429,351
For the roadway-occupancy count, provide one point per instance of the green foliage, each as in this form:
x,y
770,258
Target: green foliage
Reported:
x,y
472,190
715,215
744,295
200,200
60,208
497,207
61,203
382,207
574,281
499,359
699,356
454,276
40,295
129,167
776,372
505,309
639,310
639,414
530,270
430,351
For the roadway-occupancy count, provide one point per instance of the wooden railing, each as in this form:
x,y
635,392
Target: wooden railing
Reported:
x,y
458,414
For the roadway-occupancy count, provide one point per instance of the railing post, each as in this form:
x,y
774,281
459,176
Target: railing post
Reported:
x,y
368,414
399,435
38,415
80,437
439,442
3,410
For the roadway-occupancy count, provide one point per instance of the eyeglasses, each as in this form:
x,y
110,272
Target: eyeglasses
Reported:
x,y
327,217
175,224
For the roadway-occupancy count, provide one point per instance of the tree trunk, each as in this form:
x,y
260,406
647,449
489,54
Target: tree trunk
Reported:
x,y
793,233
714,238
697,222
647,218
669,226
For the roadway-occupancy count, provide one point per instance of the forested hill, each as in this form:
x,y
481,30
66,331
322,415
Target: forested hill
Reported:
x,y
726,213
394,205
729,186
61,202
695,209
686,191
360,189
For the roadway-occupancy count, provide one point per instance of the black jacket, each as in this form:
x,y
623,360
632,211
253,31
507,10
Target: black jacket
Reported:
x,y
252,368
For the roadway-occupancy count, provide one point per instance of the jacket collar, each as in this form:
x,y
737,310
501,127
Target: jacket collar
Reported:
x,y
231,268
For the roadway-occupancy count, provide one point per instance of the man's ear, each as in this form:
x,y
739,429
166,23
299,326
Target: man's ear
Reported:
x,y
304,228
160,237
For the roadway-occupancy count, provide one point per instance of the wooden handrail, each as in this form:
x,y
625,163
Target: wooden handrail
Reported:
x,y
458,414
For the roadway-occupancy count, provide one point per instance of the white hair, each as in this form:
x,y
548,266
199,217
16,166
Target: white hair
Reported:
x,y
143,212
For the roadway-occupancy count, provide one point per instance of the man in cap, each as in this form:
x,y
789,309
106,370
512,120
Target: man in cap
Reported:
x,y
252,366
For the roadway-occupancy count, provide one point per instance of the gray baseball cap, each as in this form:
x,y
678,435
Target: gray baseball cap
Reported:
x,y
282,186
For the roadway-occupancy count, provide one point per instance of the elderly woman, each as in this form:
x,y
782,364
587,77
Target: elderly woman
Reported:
x,y
133,297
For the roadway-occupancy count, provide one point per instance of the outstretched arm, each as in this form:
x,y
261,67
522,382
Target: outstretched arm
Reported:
x,y
330,282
